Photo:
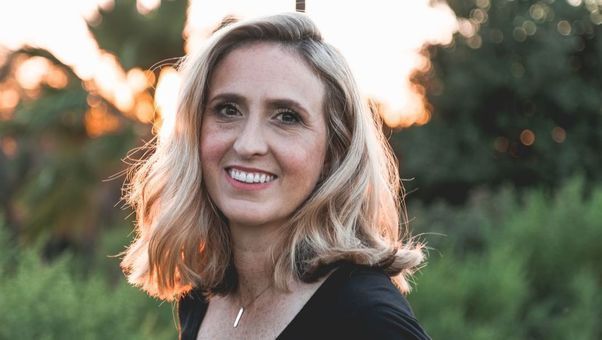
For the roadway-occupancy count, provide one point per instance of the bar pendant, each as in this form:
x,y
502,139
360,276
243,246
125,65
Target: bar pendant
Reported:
x,y
240,311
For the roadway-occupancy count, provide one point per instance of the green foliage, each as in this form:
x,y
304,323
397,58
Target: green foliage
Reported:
x,y
54,183
58,215
142,40
528,65
42,299
530,271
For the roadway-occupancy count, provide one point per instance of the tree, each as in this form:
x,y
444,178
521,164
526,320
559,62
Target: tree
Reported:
x,y
515,98
61,143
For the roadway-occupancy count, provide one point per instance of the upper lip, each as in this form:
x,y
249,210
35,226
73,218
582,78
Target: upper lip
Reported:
x,y
248,169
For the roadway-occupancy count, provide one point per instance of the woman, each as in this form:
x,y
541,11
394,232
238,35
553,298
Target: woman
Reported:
x,y
272,209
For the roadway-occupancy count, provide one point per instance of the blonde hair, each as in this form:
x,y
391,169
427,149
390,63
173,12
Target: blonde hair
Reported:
x,y
355,213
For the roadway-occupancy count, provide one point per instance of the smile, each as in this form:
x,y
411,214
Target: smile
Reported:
x,y
250,177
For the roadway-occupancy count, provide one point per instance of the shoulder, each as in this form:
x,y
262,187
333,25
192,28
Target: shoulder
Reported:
x,y
374,306
366,286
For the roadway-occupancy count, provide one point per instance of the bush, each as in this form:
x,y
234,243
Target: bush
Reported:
x,y
53,300
510,267
514,268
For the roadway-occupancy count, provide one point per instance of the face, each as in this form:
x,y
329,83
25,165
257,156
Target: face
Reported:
x,y
263,135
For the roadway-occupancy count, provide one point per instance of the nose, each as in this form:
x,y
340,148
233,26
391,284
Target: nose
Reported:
x,y
251,140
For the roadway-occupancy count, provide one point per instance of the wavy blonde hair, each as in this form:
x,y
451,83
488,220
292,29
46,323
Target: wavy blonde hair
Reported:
x,y
355,213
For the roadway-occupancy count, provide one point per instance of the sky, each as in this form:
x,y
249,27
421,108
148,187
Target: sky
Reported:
x,y
380,38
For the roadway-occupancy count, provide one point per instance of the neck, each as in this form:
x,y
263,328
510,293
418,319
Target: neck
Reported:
x,y
251,250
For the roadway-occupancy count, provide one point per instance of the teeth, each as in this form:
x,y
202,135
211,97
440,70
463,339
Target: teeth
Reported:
x,y
250,177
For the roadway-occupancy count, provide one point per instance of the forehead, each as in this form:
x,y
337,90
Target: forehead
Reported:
x,y
267,70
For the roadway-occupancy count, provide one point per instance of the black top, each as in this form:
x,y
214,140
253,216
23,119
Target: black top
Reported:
x,y
355,302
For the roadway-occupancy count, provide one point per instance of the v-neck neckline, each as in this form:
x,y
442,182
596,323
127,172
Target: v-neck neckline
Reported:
x,y
315,298
307,307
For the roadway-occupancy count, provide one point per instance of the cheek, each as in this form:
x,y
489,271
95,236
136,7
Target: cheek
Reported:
x,y
306,162
213,146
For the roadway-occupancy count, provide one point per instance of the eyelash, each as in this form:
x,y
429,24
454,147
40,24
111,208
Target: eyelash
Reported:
x,y
219,109
294,114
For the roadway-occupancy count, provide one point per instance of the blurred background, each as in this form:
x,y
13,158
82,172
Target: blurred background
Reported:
x,y
493,107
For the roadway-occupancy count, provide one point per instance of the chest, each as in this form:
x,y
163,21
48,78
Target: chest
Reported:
x,y
265,319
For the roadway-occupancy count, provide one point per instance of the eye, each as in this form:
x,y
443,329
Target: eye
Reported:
x,y
227,110
288,116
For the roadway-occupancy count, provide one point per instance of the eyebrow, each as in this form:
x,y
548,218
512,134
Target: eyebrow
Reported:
x,y
273,103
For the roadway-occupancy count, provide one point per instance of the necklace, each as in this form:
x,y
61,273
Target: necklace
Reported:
x,y
244,307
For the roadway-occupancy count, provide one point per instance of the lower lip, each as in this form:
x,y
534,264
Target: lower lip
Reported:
x,y
246,186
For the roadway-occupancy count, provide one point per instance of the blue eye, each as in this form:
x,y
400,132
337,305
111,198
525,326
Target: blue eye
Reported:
x,y
288,117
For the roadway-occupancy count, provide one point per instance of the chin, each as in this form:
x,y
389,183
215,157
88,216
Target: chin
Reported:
x,y
252,222
246,219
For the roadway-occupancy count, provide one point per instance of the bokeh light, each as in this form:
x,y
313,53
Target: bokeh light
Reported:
x,y
168,86
144,7
9,98
558,134
501,144
99,122
564,27
527,137
8,145
31,72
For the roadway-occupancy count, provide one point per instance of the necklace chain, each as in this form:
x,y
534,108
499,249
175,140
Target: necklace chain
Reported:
x,y
243,307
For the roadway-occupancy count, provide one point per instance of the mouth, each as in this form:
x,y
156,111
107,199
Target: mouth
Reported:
x,y
250,176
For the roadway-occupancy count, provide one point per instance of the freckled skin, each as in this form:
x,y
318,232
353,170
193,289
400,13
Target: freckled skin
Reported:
x,y
251,131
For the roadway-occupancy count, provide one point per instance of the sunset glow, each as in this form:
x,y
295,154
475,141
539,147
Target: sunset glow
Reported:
x,y
166,94
381,42
203,16
67,37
